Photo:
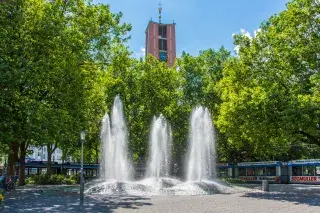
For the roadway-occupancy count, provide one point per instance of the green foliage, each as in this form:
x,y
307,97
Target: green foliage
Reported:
x,y
44,179
52,57
63,62
147,88
201,75
270,92
233,180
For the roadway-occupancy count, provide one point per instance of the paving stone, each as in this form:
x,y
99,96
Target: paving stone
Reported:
x,y
281,198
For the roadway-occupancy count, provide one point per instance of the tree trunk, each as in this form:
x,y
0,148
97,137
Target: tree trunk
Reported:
x,y
49,161
23,151
50,149
12,159
97,154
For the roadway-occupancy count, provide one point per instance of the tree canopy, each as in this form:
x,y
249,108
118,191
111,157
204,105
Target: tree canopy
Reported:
x,y
63,62
270,92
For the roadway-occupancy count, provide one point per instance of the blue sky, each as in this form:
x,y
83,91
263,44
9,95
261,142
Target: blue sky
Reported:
x,y
200,24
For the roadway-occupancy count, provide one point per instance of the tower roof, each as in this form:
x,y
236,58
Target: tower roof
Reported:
x,y
157,23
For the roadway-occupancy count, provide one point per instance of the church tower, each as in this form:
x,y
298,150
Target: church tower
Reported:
x,y
161,40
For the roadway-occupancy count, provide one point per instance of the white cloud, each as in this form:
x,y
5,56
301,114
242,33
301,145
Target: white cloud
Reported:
x,y
256,32
246,33
236,49
243,32
141,53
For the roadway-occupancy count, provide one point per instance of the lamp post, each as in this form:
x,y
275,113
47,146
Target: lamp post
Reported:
x,y
5,165
82,139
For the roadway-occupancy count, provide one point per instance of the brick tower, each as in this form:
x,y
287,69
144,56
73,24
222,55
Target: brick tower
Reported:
x,y
161,40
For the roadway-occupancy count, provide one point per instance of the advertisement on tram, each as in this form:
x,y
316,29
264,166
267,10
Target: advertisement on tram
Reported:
x,y
304,171
258,171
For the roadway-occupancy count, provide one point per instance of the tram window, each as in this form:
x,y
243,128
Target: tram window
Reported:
x,y
297,170
259,171
242,172
222,172
271,171
308,170
318,170
250,171
33,171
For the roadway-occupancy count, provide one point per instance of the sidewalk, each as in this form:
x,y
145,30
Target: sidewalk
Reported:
x,y
281,198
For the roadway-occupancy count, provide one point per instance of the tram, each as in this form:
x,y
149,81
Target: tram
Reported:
x,y
304,171
258,171
90,170
224,170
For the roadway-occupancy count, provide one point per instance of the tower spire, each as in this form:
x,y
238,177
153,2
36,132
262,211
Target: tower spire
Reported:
x,y
160,10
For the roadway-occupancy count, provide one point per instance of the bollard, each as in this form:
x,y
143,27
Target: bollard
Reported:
x,y
265,185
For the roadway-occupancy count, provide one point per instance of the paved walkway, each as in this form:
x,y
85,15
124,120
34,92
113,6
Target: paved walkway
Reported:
x,y
281,198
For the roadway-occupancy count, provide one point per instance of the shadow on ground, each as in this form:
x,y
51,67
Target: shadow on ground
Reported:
x,y
62,201
298,194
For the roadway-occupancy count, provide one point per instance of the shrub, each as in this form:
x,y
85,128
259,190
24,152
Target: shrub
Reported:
x,y
44,179
233,180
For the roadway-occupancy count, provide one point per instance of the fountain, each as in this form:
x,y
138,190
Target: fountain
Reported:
x,y
160,144
201,162
114,155
116,171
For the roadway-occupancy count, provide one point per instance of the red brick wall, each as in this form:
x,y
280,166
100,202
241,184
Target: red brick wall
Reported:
x,y
152,39
171,44
152,43
174,51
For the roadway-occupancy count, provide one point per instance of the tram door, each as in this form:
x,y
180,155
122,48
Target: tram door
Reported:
x,y
284,176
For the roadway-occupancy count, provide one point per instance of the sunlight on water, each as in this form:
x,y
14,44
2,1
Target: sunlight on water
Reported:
x,y
160,144
201,155
114,148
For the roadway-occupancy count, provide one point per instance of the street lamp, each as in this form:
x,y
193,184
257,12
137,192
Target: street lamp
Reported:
x,y
82,139
5,165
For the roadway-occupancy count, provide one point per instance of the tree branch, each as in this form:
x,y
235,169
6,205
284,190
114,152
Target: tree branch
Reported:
x,y
311,138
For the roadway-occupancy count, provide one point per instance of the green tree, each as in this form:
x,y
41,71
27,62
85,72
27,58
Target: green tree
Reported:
x,y
270,93
52,58
201,75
